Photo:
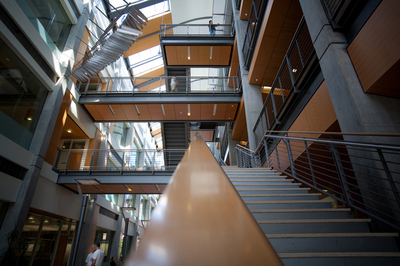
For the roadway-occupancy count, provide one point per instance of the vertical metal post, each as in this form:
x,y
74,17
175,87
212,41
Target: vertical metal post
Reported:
x,y
56,243
79,230
187,84
290,155
389,176
266,153
290,72
277,157
58,158
122,162
126,220
108,85
35,246
310,163
340,172
274,106
154,161
66,164
87,86
91,162
133,85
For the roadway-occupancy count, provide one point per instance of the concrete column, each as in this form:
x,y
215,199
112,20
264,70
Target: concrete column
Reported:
x,y
251,93
18,211
89,225
356,111
115,245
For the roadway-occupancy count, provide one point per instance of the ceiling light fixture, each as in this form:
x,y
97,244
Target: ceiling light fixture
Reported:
x,y
211,52
215,109
188,107
157,187
29,119
137,109
294,70
162,109
188,52
97,187
112,111
69,131
128,188
88,181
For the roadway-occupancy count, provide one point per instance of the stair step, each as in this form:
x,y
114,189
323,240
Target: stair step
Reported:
x,y
278,185
253,177
314,226
260,182
281,214
270,236
346,259
287,204
338,254
266,197
268,191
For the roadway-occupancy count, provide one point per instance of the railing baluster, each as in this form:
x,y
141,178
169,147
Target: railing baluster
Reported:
x,y
310,163
389,176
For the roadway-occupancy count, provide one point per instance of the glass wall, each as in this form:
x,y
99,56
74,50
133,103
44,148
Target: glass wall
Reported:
x,y
45,241
22,97
50,20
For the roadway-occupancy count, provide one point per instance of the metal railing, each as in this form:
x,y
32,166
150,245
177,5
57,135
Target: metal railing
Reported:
x,y
195,30
337,10
362,175
253,29
284,88
117,160
184,84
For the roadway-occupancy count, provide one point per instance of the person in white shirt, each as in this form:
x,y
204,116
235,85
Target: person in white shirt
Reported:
x,y
98,256
88,261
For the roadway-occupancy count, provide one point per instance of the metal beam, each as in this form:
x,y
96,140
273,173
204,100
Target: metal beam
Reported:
x,y
110,179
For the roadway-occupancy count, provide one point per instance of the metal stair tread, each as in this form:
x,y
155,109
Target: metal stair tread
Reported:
x,y
249,177
280,195
349,220
315,235
250,180
285,201
339,254
301,210
270,189
283,184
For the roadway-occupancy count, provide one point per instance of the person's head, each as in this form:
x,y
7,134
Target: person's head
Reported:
x,y
210,21
98,244
112,259
93,248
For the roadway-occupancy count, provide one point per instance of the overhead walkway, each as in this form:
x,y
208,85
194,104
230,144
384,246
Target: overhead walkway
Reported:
x,y
117,171
153,99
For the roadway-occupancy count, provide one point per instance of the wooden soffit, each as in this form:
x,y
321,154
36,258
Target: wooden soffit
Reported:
x,y
279,26
200,55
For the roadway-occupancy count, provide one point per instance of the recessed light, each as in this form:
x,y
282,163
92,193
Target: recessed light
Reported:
x,y
294,70
69,131
29,119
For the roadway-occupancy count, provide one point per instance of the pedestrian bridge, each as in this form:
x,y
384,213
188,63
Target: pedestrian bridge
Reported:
x,y
114,171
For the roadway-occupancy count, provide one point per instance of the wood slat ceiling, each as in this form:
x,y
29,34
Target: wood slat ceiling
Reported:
x,y
206,55
153,112
280,23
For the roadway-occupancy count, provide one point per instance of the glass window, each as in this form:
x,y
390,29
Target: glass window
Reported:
x,y
22,97
52,18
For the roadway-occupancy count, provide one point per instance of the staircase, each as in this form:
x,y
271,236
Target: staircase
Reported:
x,y
305,230
175,136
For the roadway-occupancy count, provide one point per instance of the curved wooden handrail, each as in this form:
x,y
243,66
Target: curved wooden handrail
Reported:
x,y
201,220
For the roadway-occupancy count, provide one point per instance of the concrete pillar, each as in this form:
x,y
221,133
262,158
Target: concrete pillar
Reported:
x,y
356,111
251,93
88,230
115,244
18,211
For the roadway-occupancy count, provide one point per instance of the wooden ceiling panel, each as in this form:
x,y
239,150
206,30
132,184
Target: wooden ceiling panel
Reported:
x,y
130,111
182,55
149,189
144,112
171,55
94,112
231,111
207,111
76,131
105,112
195,111
220,112
119,112
169,112
245,7
155,112
194,55
181,111
143,44
225,55
204,53
216,55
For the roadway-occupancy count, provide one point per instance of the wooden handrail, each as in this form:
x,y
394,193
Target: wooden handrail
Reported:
x,y
202,220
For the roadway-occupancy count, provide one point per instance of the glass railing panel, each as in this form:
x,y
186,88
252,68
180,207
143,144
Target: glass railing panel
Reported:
x,y
194,30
